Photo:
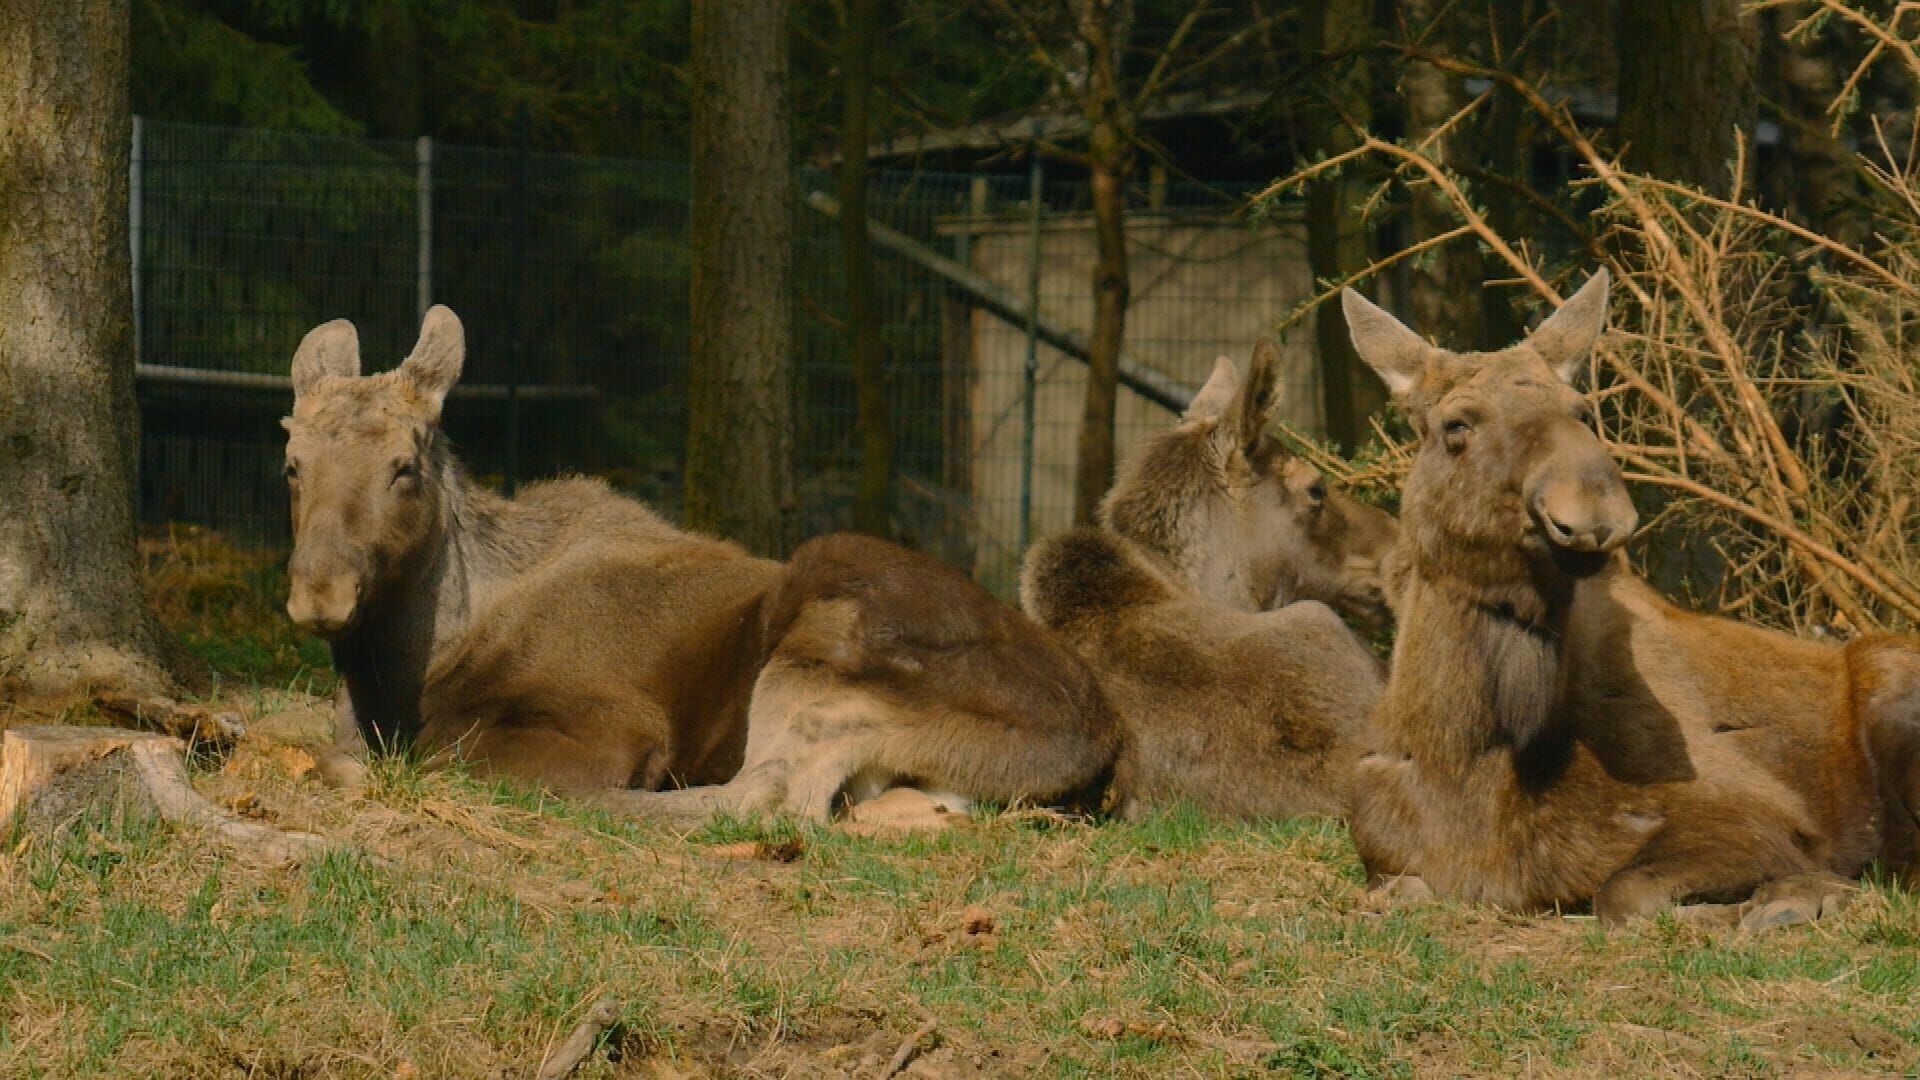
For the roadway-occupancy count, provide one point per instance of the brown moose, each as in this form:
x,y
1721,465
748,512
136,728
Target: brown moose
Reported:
x,y
1241,710
572,638
1552,731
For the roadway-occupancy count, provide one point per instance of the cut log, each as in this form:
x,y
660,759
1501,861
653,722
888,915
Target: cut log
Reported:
x,y
49,775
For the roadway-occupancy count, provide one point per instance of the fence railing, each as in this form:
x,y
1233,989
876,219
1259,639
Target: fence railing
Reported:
x,y
571,275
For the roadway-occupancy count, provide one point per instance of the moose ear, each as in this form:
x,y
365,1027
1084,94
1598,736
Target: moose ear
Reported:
x,y
1567,336
1260,395
331,349
1213,398
434,365
1395,353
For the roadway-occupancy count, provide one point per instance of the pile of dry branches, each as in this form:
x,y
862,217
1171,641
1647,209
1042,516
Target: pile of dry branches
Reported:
x,y
1760,383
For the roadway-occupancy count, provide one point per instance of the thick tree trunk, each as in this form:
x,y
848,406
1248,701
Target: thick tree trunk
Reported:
x,y
1103,28
1336,235
1686,83
740,393
1445,284
873,500
71,612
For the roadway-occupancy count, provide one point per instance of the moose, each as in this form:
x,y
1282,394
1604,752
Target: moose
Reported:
x,y
572,638
1160,619
1553,732
1201,601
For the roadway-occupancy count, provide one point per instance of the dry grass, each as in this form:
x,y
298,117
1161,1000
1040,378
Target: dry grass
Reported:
x,y
226,605
469,927
1758,383
466,929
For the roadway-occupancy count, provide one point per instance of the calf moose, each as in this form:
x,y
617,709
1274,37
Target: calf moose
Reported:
x,y
1242,710
1552,731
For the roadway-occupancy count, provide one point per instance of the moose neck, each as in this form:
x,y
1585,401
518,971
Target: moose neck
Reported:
x,y
384,659
1479,671
1196,552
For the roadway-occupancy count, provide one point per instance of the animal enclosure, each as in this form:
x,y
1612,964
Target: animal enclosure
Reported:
x,y
571,274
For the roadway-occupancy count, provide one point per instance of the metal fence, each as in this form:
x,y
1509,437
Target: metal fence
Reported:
x,y
571,276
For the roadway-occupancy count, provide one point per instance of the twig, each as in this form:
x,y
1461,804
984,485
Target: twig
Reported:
x,y
909,1049
578,1046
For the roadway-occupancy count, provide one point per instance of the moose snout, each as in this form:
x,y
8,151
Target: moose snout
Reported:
x,y
1581,515
324,604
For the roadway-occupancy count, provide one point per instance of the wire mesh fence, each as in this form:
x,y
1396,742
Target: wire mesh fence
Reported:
x,y
571,276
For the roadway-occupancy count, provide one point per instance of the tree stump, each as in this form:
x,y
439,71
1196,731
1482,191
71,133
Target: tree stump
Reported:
x,y
50,775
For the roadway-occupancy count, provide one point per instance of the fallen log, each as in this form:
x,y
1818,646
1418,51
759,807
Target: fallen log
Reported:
x,y
50,775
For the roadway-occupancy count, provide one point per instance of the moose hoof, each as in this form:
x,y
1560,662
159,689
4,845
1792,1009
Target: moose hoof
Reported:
x,y
904,810
1400,890
1630,895
1716,916
1793,901
340,770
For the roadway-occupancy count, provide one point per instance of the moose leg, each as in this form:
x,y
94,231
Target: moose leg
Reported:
x,y
807,736
1763,872
344,764
1793,900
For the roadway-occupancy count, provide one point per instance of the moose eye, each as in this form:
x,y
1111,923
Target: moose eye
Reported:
x,y
1455,433
1317,493
405,470
292,470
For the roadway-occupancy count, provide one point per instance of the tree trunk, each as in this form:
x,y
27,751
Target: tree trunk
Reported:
x,y
1506,140
1110,153
739,481
1686,83
1336,234
396,72
873,500
1824,179
71,611
1445,282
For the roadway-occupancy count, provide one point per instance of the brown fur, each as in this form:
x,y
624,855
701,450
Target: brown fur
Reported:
x,y
568,637
891,667
1244,711
1553,732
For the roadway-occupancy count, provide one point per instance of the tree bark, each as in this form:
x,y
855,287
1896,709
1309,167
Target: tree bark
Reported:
x,y
1686,83
1103,28
48,775
1336,235
873,499
1445,284
1824,179
1506,141
739,481
71,613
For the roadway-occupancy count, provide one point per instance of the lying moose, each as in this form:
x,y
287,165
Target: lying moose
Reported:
x,y
1552,731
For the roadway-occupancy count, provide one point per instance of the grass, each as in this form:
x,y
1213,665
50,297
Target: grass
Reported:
x,y
226,605
464,928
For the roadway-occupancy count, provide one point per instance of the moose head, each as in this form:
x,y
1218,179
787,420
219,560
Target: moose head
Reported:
x,y
366,469
1250,524
1510,482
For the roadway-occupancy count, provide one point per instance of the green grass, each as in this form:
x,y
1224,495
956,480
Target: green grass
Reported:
x,y
129,948
225,604
465,926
